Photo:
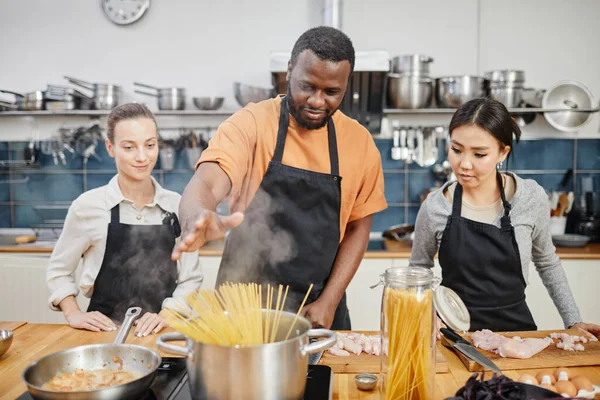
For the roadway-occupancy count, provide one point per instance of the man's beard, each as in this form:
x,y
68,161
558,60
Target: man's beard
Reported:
x,y
296,112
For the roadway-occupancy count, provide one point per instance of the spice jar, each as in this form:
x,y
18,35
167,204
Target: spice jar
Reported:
x,y
408,333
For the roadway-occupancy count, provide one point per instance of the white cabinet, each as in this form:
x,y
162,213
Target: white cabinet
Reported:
x,y
24,292
583,277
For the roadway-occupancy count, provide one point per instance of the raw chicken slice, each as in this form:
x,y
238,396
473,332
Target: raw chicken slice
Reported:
x,y
509,347
338,352
570,342
522,348
350,345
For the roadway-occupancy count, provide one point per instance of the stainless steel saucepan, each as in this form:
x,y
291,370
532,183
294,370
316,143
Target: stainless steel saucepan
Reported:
x,y
137,359
168,98
106,96
272,371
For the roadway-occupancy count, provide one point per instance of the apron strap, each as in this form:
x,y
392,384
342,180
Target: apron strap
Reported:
x,y
457,201
505,222
115,215
284,120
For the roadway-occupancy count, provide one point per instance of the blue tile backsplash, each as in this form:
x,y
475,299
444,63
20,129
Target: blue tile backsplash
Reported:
x,y
48,190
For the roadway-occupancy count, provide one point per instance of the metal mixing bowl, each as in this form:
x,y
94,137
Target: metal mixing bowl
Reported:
x,y
245,94
453,91
208,103
6,338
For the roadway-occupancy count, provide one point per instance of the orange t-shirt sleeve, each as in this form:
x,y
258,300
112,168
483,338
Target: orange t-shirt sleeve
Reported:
x,y
371,196
232,147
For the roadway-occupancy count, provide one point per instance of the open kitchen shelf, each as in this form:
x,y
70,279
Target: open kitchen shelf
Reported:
x,y
521,110
102,113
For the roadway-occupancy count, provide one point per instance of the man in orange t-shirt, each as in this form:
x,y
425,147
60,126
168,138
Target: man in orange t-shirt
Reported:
x,y
303,180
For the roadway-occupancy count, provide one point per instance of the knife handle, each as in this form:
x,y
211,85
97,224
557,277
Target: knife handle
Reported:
x,y
453,336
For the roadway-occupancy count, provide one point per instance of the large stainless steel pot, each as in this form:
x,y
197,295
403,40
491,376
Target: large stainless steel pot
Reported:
x,y
93,357
168,98
409,91
568,95
273,371
106,96
416,64
453,91
506,76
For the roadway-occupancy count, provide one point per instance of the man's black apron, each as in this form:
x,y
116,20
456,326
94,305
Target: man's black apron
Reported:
x,y
137,269
291,229
481,263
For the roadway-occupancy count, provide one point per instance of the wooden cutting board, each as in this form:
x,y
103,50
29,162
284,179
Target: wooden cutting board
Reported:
x,y
550,357
370,364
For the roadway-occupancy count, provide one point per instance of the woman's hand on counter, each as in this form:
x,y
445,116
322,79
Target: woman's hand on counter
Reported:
x,y
150,323
589,329
91,321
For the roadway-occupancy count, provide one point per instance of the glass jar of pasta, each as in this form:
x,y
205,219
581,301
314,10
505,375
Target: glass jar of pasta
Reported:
x,y
408,333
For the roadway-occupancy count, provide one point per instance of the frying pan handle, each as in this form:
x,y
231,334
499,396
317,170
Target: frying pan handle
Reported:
x,y
11,92
146,86
171,348
130,316
79,82
320,345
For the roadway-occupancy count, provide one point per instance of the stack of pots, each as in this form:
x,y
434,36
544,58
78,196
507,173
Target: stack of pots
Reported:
x,y
409,83
506,86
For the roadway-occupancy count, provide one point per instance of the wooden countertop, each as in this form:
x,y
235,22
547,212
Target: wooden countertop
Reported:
x,y
33,341
395,250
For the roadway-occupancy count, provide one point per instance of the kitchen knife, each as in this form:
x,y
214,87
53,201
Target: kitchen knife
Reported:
x,y
468,350
314,358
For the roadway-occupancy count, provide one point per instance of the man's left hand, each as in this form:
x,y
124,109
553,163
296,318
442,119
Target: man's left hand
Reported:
x,y
320,313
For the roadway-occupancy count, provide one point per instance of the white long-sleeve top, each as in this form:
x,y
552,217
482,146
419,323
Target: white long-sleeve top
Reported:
x,y
84,235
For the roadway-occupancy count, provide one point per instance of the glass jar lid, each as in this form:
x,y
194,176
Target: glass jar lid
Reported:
x,y
451,309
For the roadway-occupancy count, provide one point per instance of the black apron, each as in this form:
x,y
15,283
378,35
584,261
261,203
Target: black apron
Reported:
x,y
291,230
481,263
137,269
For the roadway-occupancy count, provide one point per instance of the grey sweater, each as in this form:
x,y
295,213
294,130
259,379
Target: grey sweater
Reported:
x,y
530,217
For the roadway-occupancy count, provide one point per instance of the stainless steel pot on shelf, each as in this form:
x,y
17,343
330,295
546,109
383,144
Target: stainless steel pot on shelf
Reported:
x,y
407,91
453,91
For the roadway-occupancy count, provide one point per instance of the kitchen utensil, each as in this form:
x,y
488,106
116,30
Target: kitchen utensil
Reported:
x,y
570,240
170,99
6,338
208,103
468,350
32,101
106,96
245,94
399,232
453,91
366,381
167,157
511,97
314,358
97,356
409,91
396,149
568,95
508,76
416,64
266,372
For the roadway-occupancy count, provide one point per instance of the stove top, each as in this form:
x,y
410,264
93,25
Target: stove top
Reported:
x,y
171,383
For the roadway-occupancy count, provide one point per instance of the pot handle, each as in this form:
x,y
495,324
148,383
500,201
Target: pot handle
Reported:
x,y
320,345
171,348
130,316
146,93
146,86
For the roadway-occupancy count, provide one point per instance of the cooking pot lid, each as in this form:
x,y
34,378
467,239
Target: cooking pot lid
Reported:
x,y
451,309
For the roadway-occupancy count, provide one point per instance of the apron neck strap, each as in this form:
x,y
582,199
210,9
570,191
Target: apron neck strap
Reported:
x,y
284,120
457,201
115,215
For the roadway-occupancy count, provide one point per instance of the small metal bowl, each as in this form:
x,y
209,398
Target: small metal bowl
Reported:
x,y
208,103
6,338
366,381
